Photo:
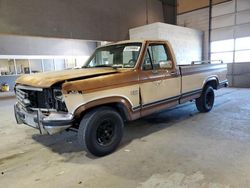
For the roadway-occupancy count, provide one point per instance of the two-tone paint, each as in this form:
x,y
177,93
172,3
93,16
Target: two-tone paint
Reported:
x,y
134,92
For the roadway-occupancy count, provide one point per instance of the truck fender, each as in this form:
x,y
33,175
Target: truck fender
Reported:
x,y
121,104
212,80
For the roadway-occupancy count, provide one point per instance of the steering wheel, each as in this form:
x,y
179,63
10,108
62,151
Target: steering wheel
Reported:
x,y
132,61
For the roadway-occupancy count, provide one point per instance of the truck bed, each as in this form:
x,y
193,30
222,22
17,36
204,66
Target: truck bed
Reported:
x,y
194,76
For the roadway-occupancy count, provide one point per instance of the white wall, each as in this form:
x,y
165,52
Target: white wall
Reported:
x,y
231,20
41,46
36,65
186,42
239,74
198,19
104,20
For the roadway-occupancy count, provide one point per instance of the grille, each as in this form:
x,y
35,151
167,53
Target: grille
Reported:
x,y
32,97
22,97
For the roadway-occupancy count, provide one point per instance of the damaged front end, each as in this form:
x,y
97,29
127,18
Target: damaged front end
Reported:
x,y
43,109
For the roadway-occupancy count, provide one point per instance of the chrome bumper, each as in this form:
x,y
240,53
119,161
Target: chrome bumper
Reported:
x,y
54,123
223,84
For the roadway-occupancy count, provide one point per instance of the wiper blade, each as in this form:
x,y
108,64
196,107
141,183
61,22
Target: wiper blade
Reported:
x,y
99,66
103,66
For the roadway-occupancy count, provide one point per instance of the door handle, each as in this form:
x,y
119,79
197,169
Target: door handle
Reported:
x,y
174,74
155,71
157,83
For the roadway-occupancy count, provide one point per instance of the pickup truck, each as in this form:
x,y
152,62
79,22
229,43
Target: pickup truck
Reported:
x,y
120,82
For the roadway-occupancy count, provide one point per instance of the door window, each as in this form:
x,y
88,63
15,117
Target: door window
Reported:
x,y
156,58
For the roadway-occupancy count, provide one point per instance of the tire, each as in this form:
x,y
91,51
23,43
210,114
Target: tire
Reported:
x,y
100,131
205,102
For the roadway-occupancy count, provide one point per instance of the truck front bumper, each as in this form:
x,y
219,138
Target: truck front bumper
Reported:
x,y
53,123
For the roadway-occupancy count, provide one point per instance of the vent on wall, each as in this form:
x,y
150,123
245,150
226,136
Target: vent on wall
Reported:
x,y
169,11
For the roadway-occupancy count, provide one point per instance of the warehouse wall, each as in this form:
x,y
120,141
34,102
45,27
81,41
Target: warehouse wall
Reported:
x,y
200,22
230,25
177,36
185,6
107,20
10,80
230,21
195,14
24,45
13,46
239,74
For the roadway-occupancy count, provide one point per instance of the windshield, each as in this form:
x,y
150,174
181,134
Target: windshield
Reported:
x,y
116,56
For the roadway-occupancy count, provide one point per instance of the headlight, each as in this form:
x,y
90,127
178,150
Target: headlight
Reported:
x,y
75,92
58,95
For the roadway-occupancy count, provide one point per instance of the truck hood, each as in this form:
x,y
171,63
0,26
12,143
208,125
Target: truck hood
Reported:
x,y
46,80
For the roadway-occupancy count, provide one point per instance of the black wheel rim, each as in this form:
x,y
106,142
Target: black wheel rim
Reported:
x,y
105,132
210,99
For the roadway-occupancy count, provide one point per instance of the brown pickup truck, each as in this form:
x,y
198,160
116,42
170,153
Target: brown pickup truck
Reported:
x,y
120,82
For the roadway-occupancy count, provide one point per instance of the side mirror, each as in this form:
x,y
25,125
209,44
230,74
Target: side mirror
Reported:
x,y
166,64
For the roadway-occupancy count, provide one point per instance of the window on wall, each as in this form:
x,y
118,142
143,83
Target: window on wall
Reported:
x,y
222,46
48,65
22,66
242,49
70,63
7,67
36,65
242,56
233,50
59,64
80,61
223,50
226,57
242,43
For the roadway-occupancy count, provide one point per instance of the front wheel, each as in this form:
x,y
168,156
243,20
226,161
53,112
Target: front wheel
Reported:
x,y
100,131
205,102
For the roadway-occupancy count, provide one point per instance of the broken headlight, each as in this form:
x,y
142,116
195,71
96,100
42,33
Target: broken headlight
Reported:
x,y
58,95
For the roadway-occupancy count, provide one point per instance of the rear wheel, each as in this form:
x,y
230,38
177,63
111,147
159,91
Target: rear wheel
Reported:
x,y
100,131
205,102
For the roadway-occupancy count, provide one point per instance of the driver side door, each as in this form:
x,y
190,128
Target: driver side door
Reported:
x,y
159,81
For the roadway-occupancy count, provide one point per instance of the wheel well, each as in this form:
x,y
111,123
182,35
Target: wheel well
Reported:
x,y
119,107
212,83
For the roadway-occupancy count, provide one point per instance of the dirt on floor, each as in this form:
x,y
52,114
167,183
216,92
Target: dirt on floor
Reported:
x,y
177,148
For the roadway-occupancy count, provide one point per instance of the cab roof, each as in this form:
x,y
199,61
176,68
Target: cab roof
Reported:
x,y
133,41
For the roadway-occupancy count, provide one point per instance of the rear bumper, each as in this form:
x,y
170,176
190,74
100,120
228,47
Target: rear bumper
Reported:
x,y
223,84
54,123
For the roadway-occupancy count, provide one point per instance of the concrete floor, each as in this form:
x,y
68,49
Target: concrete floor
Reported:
x,y
177,148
